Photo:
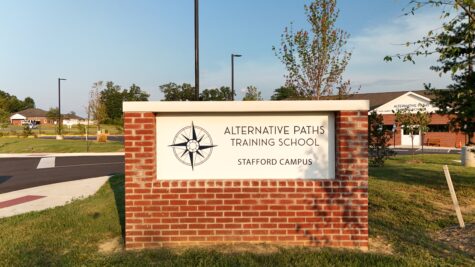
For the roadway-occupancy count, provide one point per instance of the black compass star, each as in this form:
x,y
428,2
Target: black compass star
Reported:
x,y
192,145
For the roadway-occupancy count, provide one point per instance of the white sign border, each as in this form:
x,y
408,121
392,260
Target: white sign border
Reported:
x,y
332,142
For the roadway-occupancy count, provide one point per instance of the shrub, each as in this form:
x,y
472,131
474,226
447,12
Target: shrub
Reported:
x,y
27,131
81,129
378,141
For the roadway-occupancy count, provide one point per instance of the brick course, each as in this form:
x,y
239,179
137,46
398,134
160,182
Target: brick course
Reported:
x,y
331,213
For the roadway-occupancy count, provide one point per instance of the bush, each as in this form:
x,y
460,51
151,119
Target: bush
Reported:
x,y
81,129
378,141
26,131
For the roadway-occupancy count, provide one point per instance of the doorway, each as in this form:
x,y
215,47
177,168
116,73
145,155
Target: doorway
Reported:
x,y
406,136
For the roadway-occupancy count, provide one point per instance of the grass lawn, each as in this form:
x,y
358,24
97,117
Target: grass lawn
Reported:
x,y
34,145
409,206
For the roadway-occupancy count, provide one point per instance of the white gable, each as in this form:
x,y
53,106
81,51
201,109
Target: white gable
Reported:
x,y
17,117
409,100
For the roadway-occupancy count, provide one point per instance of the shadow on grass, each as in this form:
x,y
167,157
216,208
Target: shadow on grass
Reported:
x,y
407,215
117,185
431,178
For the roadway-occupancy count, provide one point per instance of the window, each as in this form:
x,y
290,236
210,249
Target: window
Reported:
x,y
388,127
439,128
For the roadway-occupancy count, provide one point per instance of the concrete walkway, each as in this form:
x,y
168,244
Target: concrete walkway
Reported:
x,y
426,147
47,196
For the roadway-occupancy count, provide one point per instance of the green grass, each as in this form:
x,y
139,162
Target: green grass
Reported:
x,y
409,203
34,145
50,129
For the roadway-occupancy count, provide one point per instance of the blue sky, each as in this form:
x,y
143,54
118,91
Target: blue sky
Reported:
x,y
151,43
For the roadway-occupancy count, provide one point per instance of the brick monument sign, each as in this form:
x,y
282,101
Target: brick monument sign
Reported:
x,y
283,172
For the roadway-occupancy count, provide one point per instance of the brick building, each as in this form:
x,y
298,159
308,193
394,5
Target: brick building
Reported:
x,y
439,134
31,115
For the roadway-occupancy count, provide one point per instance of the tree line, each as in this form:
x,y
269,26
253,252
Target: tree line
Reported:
x,y
10,104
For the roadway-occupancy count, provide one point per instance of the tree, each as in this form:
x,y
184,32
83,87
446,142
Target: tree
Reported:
x,y
216,94
53,114
285,93
315,60
96,108
378,140
413,121
423,119
4,118
174,92
135,94
405,118
12,104
454,43
28,103
112,97
252,94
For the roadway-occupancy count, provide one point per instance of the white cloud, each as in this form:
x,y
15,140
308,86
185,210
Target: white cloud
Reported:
x,y
368,69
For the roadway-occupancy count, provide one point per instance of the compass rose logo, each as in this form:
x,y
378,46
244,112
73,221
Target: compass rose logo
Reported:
x,y
192,145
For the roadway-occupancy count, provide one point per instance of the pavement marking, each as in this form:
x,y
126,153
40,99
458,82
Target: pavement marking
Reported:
x,y
18,200
46,163
90,164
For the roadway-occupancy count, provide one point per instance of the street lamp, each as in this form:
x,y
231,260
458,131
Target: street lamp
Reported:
x,y
197,52
232,74
59,136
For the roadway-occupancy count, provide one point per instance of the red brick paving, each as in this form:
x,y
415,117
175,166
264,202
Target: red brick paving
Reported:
x,y
19,200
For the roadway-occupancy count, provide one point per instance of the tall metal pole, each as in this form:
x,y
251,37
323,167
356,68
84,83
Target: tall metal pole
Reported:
x,y
232,74
197,52
59,107
59,136
232,77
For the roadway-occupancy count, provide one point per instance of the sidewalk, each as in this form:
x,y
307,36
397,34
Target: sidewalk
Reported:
x,y
48,196
41,155
425,147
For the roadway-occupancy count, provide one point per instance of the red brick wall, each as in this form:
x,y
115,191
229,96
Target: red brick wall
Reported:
x,y
446,139
288,212
450,139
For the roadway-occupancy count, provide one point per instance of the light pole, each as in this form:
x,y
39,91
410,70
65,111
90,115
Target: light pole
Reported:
x,y
197,52
232,74
59,136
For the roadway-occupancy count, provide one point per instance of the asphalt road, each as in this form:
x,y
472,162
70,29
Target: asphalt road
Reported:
x,y
21,173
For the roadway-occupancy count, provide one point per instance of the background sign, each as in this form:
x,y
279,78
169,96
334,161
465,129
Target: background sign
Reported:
x,y
242,146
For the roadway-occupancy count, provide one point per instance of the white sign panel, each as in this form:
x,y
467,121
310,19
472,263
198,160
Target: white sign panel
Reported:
x,y
243,146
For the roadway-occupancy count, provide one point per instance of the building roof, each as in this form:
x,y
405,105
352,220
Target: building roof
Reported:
x,y
72,117
378,99
17,116
33,112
